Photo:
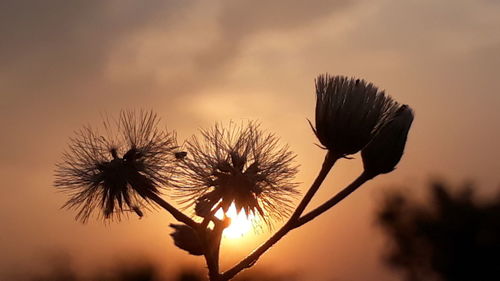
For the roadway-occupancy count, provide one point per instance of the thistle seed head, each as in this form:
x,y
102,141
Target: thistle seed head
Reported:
x,y
238,165
112,173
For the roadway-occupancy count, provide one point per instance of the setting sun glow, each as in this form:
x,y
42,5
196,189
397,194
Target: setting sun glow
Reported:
x,y
240,222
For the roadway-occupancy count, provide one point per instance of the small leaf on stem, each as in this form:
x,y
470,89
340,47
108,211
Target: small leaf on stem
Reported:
x,y
187,239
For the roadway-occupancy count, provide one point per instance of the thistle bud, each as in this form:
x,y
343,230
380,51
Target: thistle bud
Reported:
x,y
186,239
348,111
384,151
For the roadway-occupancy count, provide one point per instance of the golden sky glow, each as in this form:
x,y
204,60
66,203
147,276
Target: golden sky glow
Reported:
x,y
64,63
240,225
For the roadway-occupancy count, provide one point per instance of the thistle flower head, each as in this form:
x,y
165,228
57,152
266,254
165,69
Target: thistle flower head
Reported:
x,y
348,113
238,165
111,173
385,150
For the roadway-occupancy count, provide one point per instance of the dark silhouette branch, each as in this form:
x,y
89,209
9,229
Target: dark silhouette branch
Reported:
x,y
178,215
295,223
328,163
364,177
213,249
250,260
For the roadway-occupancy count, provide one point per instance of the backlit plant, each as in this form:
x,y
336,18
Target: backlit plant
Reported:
x,y
233,168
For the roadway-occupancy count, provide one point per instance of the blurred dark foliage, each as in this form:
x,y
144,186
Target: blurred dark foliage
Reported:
x,y
453,237
60,270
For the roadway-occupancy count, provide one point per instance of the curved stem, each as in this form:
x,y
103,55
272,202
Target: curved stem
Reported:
x,y
255,255
178,215
364,177
247,262
328,163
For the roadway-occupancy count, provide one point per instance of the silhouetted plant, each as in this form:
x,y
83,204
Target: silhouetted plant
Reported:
x,y
238,165
117,172
349,112
450,238
383,152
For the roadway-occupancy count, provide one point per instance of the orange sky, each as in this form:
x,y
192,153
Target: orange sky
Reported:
x,y
64,63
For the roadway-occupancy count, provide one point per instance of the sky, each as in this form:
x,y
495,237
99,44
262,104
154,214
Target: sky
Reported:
x,y
63,64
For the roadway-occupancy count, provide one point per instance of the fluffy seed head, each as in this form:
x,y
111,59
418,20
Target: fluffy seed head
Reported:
x,y
110,173
238,165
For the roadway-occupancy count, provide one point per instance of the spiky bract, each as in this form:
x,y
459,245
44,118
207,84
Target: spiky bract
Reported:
x,y
110,173
240,165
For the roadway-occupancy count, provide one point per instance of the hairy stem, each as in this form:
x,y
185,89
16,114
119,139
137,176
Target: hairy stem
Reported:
x,y
250,260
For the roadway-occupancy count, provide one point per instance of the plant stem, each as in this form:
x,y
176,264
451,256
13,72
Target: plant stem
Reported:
x,y
247,262
178,215
213,249
328,163
364,177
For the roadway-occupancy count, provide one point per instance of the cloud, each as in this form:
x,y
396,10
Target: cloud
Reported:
x,y
240,18
56,43
54,59
239,21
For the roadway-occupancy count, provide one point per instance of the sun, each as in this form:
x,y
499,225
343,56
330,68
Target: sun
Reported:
x,y
240,222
